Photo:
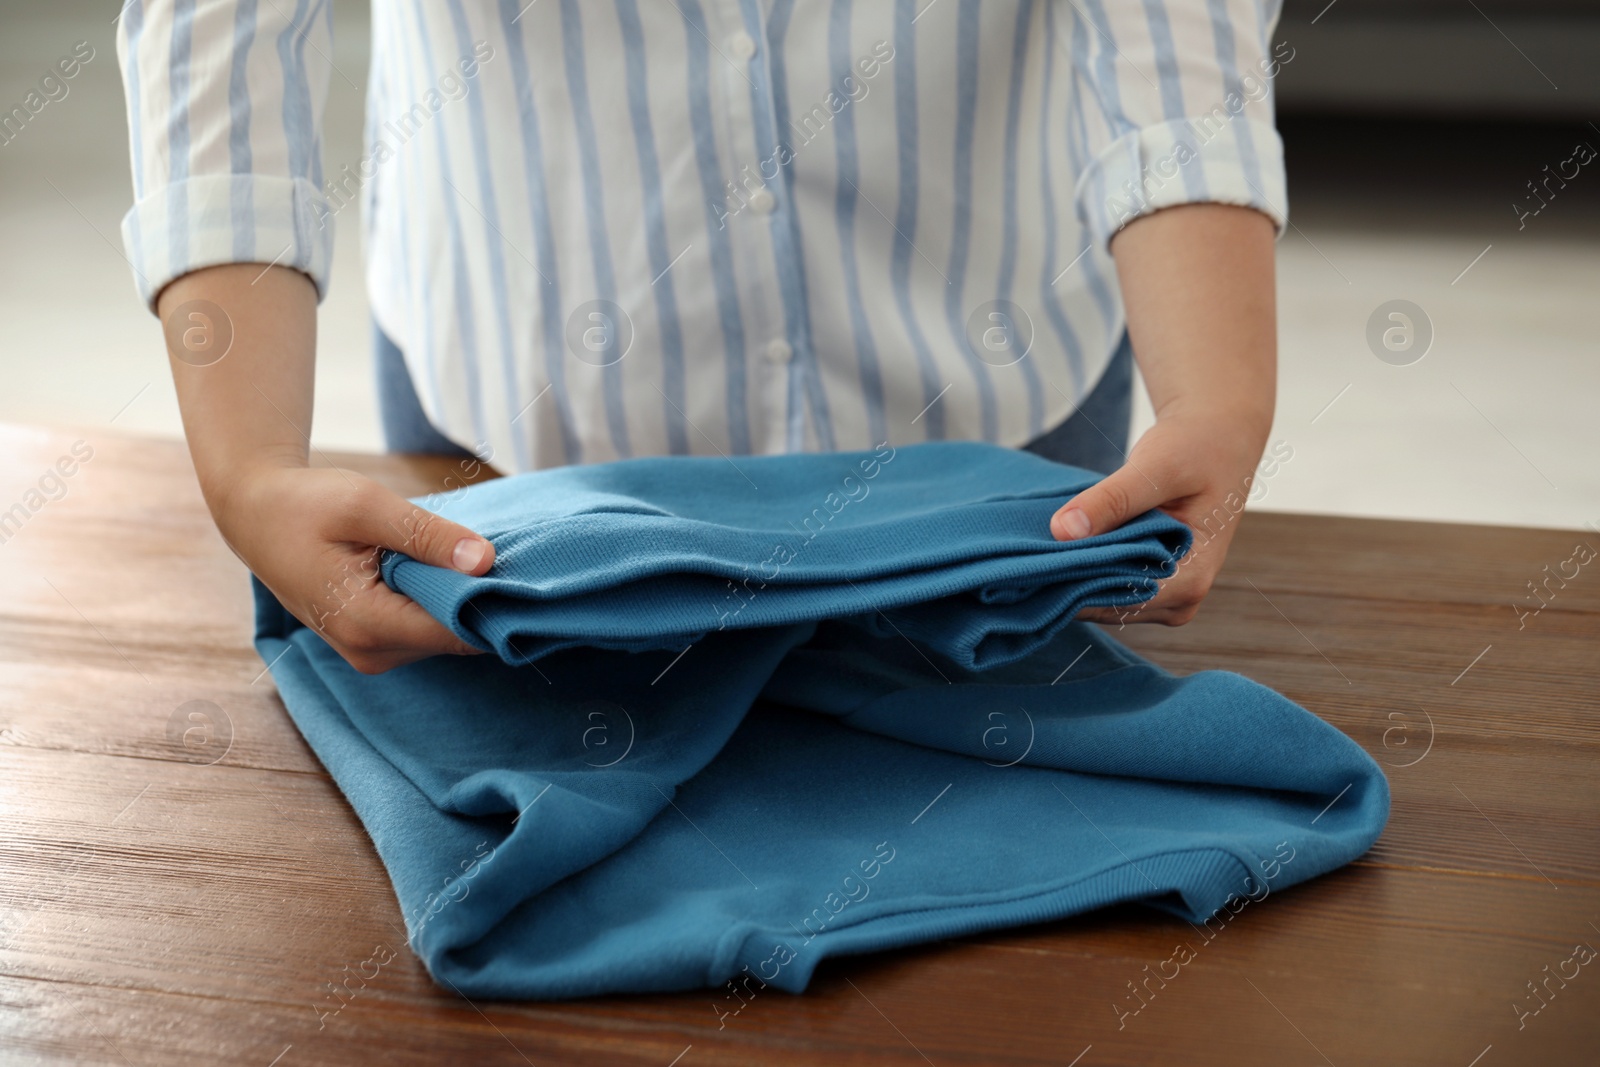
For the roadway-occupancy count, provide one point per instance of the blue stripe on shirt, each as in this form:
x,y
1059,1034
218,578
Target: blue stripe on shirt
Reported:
x,y
1222,32
721,249
305,38
299,130
492,236
1047,278
846,194
961,224
1008,209
543,232
461,277
905,224
595,212
133,26
1104,71
178,129
1105,301
426,345
655,223
790,252
1166,51
242,207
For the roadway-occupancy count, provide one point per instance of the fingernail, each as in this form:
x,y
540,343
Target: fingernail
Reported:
x,y
1074,523
468,554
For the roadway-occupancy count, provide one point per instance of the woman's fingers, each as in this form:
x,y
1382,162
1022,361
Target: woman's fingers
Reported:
x,y
314,538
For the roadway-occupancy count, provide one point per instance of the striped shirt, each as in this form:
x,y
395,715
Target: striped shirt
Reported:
x,y
611,228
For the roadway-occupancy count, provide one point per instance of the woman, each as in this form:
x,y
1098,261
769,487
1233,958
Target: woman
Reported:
x,y
605,229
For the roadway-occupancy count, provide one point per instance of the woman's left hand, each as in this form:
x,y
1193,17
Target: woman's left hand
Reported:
x,y
1199,470
1197,283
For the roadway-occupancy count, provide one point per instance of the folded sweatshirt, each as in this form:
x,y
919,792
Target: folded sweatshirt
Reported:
x,y
743,715
952,538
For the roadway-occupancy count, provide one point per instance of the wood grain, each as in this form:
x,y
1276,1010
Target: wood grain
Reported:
x,y
163,902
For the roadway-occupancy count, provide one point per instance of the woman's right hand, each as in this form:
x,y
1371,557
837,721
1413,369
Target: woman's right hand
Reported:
x,y
242,341
313,536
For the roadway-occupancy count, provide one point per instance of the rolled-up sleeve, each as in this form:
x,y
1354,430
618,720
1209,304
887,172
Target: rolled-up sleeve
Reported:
x,y
225,101
1174,105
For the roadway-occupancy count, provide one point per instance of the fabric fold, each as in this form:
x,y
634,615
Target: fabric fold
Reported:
x,y
952,538
900,735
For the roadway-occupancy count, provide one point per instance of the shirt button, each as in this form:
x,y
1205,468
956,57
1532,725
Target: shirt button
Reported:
x,y
742,45
780,351
762,202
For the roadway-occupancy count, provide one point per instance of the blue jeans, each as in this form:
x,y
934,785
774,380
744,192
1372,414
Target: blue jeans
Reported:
x,y
405,426
1094,437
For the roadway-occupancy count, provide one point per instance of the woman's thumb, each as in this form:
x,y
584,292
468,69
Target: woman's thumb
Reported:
x,y
429,538
1105,505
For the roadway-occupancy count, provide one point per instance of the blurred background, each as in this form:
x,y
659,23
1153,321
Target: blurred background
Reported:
x,y
1431,148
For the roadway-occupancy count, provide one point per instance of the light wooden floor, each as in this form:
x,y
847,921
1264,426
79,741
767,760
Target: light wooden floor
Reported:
x,y
170,904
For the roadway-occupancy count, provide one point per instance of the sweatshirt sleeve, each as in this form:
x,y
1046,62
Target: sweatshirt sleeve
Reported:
x,y
1174,106
225,102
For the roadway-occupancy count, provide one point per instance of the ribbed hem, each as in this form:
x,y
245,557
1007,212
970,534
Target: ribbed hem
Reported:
x,y
1204,880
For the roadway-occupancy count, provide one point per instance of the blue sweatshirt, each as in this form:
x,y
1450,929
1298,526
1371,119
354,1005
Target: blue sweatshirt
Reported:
x,y
742,715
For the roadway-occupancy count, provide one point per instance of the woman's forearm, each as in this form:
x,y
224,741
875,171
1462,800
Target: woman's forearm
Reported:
x,y
1198,284
241,339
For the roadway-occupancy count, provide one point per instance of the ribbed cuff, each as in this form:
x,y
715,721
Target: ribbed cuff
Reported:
x,y
1213,158
228,218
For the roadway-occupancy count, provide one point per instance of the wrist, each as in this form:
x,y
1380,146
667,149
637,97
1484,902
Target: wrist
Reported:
x,y
1219,445
1248,419
230,486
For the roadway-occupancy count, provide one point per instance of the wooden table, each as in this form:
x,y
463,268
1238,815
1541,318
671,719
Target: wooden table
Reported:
x,y
165,902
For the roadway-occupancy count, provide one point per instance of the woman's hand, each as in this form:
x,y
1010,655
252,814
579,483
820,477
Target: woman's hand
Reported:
x,y
1198,469
313,537
1197,281
242,340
